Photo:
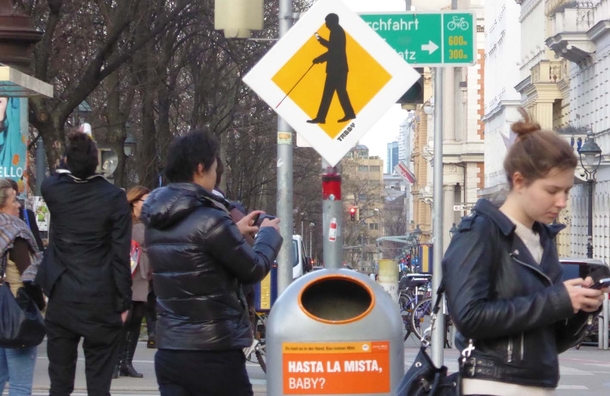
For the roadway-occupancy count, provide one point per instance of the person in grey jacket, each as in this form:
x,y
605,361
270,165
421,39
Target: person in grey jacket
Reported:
x,y
140,275
200,259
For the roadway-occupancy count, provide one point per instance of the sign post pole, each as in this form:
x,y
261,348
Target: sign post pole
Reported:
x,y
284,175
438,333
332,223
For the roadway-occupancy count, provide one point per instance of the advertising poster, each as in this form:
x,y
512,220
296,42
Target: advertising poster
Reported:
x,y
39,207
336,368
13,139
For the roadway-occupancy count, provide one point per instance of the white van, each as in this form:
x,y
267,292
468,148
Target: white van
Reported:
x,y
300,266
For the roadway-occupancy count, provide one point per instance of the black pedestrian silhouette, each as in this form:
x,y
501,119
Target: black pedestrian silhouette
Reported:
x,y
336,71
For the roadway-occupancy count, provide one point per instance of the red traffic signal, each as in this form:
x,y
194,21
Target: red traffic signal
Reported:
x,y
352,214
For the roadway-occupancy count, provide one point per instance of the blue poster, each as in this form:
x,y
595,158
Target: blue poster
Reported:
x,y
13,138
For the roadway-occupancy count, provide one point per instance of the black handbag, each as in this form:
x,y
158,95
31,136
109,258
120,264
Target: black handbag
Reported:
x,y
425,379
21,324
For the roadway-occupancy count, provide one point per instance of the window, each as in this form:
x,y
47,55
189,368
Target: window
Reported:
x,y
373,226
375,168
363,168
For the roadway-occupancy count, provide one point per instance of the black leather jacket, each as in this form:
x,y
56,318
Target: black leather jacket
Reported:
x,y
518,312
199,261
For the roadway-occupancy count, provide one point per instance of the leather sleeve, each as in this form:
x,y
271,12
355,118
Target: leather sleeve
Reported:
x,y
468,276
248,264
569,332
121,246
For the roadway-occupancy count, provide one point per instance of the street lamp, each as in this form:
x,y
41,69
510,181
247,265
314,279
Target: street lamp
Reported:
x,y
311,226
590,158
453,231
417,232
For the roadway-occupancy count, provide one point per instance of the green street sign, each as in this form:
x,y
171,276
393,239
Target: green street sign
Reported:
x,y
428,39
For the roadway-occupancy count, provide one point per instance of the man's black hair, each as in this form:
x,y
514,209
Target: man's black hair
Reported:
x,y
81,155
187,152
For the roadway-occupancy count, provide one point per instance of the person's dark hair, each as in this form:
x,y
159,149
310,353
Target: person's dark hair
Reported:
x,y
536,152
81,155
220,170
187,152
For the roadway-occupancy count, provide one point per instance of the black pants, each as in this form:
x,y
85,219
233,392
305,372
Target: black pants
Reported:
x,y
131,332
67,323
151,311
202,373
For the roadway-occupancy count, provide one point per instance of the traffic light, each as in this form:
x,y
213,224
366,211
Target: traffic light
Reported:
x,y
415,94
352,214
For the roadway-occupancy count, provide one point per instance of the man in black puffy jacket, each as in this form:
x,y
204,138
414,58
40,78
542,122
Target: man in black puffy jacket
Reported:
x,y
200,259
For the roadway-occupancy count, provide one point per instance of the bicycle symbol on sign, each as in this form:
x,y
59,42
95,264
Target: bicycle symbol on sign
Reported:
x,y
458,23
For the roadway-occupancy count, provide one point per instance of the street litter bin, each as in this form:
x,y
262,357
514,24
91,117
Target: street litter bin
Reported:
x,y
334,332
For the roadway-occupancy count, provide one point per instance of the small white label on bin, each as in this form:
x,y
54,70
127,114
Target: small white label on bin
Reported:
x,y
336,368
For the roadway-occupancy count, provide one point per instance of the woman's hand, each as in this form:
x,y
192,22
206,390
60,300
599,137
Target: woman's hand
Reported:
x,y
275,223
583,298
246,224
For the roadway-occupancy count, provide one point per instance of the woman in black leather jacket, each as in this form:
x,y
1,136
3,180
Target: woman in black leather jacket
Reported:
x,y
503,278
199,260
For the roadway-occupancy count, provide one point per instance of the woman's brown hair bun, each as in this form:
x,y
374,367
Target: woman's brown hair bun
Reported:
x,y
534,155
526,125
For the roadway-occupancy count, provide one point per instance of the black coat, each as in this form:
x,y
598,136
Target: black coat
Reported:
x,y
87,259
199,261
518,312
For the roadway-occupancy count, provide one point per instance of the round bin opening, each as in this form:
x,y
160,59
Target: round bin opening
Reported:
x,y
336,299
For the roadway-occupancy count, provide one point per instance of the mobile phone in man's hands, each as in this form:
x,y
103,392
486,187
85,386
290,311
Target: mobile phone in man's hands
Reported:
x,y
258,220
600,284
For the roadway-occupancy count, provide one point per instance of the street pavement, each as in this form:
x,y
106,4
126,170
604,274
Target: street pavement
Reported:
x,y
583,372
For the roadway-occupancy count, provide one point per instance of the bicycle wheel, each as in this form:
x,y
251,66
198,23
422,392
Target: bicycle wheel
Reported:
x,y
421,319
406,305
260,334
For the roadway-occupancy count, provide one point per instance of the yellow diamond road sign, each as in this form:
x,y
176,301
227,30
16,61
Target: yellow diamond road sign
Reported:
x,y
331,77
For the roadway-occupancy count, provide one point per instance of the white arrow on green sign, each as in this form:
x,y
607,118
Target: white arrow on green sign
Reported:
x,y
428,39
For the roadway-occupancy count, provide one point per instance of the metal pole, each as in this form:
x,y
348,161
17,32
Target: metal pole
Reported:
x,y
604,324
438,333
284,175
310,241
41,164
332,217
590,226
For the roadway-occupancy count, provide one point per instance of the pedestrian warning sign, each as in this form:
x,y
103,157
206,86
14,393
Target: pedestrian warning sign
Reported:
x,y
331,78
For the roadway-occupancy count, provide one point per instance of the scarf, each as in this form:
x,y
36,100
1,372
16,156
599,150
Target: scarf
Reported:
x,y
11,228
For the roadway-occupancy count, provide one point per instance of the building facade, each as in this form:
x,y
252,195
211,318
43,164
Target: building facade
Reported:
x,y
579,35
564,69
392,157
502,101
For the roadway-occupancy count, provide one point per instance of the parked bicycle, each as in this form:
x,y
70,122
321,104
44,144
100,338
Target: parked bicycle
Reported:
x,y
259,346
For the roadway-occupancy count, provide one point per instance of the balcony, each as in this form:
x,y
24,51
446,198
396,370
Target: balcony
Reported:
x,y
547,71
574,28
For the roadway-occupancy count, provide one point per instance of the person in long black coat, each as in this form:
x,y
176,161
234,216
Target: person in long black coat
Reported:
x,y
85,271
